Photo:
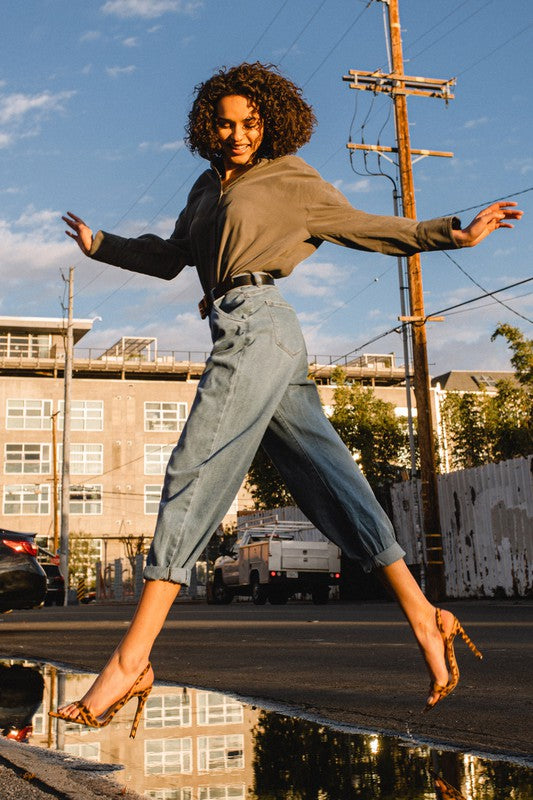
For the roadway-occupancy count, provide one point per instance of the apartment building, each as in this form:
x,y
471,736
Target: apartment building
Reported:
x,y
129,404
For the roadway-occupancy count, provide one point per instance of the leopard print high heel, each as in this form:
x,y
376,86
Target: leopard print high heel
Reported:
x,y
451,661
86,717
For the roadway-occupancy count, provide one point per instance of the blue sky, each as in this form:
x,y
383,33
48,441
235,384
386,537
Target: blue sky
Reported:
x,y
93,101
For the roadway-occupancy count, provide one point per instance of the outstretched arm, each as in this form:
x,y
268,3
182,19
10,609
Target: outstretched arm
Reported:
x,y
490,219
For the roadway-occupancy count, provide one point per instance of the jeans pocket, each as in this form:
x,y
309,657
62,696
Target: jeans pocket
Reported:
x,y
287,332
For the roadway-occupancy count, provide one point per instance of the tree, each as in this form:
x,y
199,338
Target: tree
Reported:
x,y
82,558
266,485
371,430
486,428
368,426
465,420
522,359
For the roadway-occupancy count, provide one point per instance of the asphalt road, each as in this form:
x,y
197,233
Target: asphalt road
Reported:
x,y
350,663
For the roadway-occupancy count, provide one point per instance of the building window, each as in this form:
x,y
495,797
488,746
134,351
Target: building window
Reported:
x,y
90,752
167,710
217,753
27,459
28,345
26,499
168,756
85,458
164,416
182,793
85,499
218,709
222,792
156,458
29,415
85,415
152,496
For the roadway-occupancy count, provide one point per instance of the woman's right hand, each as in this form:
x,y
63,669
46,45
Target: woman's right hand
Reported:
x,y
83,235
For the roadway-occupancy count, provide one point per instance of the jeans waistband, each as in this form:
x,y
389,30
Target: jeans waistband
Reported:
x,y
244,279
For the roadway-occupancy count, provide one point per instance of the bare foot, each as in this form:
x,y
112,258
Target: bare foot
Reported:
x,y
431,644
115,680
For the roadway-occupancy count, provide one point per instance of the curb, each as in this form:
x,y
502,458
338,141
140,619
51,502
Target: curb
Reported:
x,y
56,774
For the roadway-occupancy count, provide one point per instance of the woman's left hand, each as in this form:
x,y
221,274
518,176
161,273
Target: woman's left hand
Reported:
x,y
490,219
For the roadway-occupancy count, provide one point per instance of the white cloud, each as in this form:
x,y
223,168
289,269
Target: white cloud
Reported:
x,y
14,106
87,69
522,165
475,123
131,41
5,139
150,9
90,36
116,72
162,147
33,248
362,185
315,279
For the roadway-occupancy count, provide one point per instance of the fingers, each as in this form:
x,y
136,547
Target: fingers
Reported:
x,y
74,217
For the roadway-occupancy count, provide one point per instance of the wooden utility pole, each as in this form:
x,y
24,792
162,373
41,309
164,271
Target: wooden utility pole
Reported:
x,y
399,86
65,470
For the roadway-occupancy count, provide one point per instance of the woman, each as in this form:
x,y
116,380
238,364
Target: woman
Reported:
x,y
251,218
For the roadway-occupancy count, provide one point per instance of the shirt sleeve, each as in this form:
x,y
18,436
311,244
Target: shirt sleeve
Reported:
x,y
330,217
147,254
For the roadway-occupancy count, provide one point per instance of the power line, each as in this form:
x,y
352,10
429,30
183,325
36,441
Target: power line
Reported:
x,y
486,305
397,328
337,43
508,307
272,21
489,202
450,30
488,55
133,275
309,21
481,296
436,24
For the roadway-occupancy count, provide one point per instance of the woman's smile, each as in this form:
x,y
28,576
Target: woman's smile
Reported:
x,y
239,130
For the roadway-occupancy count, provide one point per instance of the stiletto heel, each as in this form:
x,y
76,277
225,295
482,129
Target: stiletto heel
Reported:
x,y
141,700
86,717
451,661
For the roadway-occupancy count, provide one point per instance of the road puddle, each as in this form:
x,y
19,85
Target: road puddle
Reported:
x,y
194,744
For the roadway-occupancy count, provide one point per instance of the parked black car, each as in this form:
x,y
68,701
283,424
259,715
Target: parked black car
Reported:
x,y
22,579
21,694
55,585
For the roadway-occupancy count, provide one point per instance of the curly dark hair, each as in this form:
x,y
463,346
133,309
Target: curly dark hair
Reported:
x,y
288,121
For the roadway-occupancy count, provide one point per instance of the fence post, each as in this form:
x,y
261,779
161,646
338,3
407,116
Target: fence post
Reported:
x,y
138,576
118,586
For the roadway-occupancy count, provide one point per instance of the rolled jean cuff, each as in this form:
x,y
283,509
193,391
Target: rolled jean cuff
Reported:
x,y
172,574
383,559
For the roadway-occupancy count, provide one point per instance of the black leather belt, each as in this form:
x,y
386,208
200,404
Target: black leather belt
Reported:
x,y
246,279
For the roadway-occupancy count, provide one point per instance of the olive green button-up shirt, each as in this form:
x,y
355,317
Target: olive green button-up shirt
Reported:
x,y
268,219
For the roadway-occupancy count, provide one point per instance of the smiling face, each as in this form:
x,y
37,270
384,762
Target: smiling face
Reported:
x,y
240,132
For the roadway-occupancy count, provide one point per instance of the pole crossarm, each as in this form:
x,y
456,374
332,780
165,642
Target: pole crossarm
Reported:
x,y
395,83
378,148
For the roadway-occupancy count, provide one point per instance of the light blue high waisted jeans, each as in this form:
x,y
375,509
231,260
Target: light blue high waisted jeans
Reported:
x,y
255,390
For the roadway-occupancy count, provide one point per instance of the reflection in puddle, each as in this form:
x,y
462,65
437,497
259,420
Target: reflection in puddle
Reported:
x,y
200,745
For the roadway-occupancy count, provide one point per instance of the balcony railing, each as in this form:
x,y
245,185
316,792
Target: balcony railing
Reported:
x,y
182,362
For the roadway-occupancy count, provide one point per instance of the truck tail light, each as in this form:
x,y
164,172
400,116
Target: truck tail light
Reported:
x,y
274,574
334,575
21,547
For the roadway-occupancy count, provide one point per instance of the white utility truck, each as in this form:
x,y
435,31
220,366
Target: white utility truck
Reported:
x,y
275,560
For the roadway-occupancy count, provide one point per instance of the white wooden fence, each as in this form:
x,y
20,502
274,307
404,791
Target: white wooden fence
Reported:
x,y
486,516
